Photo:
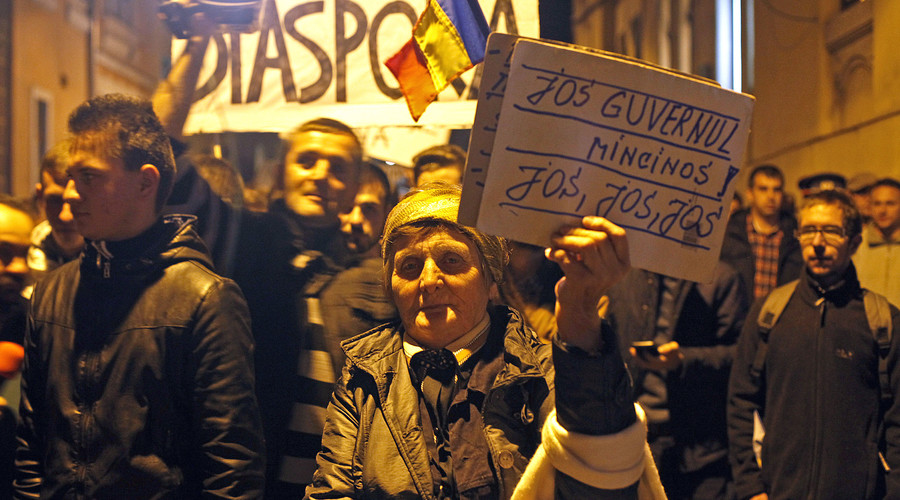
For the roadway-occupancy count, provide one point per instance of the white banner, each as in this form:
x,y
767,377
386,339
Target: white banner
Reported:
x,y
326,58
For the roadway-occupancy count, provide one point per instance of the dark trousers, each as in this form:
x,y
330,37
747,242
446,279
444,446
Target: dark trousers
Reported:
x,y
711,482
7,450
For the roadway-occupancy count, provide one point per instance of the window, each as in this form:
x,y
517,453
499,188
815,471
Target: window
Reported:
x,y
729,47
47,4
41,124
122,10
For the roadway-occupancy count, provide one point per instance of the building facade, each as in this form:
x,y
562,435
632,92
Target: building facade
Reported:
x,y
825,73
57,53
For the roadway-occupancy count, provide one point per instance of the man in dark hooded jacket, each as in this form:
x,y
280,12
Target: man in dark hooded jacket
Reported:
x,y
138,378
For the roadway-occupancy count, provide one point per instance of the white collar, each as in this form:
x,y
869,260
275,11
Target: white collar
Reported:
x,y
459,347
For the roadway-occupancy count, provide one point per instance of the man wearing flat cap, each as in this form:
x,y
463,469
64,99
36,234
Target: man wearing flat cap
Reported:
x,y
824,181
859,186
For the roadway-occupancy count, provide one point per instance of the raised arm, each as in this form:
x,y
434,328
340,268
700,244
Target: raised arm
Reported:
x,y
595,423
173,97
593,257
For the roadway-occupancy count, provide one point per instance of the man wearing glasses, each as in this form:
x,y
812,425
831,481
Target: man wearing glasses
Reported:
x,y
818,393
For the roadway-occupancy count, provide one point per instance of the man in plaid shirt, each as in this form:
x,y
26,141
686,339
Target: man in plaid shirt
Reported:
x,y
759,241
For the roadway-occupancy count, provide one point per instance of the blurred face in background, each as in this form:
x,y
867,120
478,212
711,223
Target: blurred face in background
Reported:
x,y
15,232
320,176
884,206
862,202
765,196
362,226
59,214
450,174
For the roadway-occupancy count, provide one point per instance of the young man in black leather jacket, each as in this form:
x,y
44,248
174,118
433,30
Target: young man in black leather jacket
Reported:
x,y
138,378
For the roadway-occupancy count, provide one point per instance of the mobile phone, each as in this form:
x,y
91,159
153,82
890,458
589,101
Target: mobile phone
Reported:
x,y
645,348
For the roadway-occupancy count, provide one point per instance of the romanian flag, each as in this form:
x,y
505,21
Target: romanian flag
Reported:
x,y
448,39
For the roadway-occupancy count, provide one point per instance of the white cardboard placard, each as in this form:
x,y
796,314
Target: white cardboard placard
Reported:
x,y
581,132
494,74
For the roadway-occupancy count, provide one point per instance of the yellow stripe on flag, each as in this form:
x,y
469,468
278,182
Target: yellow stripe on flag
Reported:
x,y
442,46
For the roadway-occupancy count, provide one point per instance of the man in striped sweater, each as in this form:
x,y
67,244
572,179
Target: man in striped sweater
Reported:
x,y
287,258
284,260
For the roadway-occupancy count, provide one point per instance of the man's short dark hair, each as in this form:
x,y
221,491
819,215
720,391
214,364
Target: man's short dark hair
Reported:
x,y
887,181
325,126
223,178
56,161
767,170
329,126
117,126
440,156
841,199
371,174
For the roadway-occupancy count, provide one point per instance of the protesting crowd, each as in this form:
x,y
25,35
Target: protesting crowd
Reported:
x,y
167,336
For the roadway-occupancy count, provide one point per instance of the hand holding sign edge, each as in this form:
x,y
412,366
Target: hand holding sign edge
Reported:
x,y
593,258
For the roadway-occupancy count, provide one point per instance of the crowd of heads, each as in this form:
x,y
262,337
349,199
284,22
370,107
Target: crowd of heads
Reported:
x,y
871,198
832,212
325,178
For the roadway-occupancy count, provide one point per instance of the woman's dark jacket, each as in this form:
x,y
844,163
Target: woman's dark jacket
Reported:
x,y
138,378
374,445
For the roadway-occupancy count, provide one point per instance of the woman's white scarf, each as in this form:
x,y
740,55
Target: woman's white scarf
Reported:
x,y
609,462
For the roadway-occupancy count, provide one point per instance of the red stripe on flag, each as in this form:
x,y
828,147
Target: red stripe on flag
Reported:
x,y
409,67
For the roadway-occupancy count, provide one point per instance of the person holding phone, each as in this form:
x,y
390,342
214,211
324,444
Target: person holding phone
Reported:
x,y
681,336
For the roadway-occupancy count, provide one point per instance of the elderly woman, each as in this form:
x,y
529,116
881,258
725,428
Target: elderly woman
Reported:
x,y
452,401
